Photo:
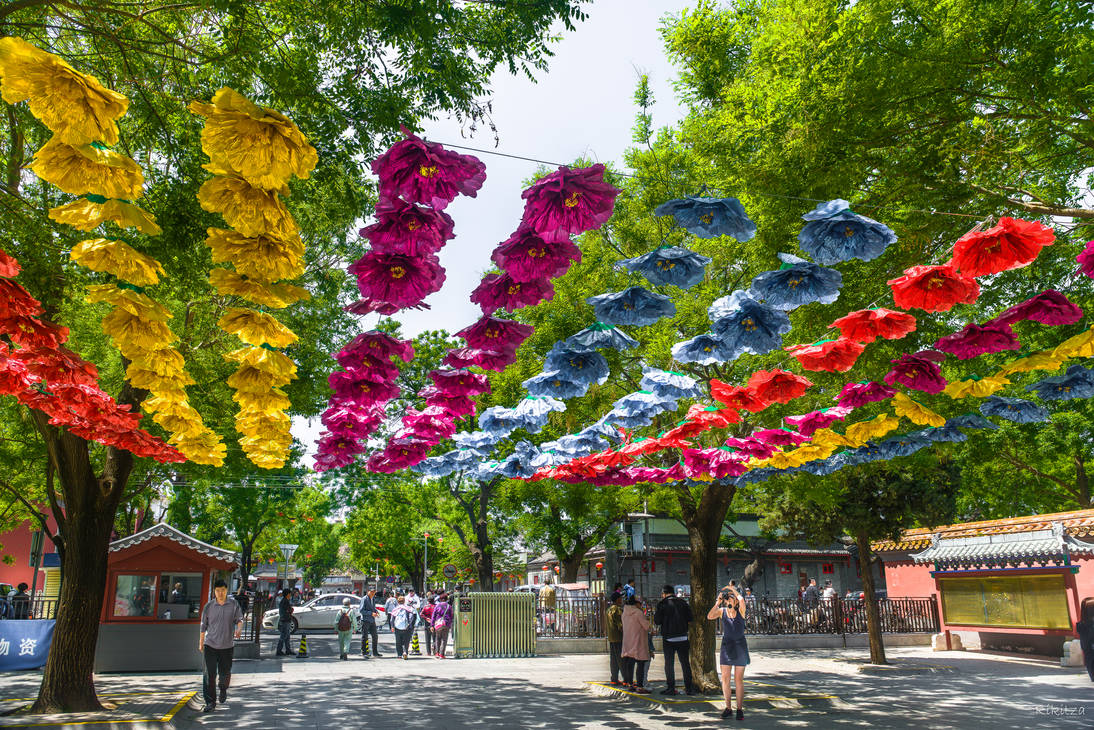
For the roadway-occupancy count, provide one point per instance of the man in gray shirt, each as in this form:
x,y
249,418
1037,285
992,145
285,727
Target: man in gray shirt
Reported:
x,y
221,625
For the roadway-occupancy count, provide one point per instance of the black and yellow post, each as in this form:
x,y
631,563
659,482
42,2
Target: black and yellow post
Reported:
x,y
302,651
415,649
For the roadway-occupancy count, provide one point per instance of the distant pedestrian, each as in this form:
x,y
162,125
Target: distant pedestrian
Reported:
x,y
636,646
345,623
221,625
615,635
426,616
20,602
442,624
368,623
1085,627
389,609
829,593
284,624
733,659
414,600
673,615
628,590
403,619
811,594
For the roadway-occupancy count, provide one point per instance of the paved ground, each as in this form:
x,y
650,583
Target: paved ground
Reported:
x,y
815,688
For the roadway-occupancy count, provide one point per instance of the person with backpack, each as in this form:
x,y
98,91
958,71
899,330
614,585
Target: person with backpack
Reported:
x,y
403,619
426,616
346,624
673,615
442,622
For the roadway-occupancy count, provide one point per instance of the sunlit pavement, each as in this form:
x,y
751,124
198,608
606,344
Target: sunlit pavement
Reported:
x,y
808,688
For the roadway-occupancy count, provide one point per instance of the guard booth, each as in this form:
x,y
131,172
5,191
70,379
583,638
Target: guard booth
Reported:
x,y
495,625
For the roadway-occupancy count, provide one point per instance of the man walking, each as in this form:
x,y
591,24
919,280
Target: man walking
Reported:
x,y
221,625
673,615
368,623
615,635
284,624
389,611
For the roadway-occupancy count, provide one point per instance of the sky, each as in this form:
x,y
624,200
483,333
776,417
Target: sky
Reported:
x,y
582,106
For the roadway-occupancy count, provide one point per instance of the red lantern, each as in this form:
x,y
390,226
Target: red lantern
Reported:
x,y
599,565
556,570
471,581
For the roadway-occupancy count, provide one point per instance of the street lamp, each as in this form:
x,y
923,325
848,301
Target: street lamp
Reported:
x,y
425,567
287,552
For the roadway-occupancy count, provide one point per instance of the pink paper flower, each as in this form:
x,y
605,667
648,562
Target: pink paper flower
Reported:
x,y
569,201
499,335
917,372
397,280
425,172
1086,260
718,463
377,345
975,340
458,406
808,423
1049,307
499,291
356,423
751,447
525,256
856,395
409,229
356,387
459,382
433,423
336,451
464,357
399,454
779,437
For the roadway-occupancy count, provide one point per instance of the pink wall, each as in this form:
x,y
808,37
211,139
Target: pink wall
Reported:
x,y
16,543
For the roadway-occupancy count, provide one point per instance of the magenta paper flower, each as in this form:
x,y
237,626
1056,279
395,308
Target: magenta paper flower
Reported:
x,y
1086,260
751,447
718,463
499,291
354,423
1049,307
525,256
369,368
465,357
432,423
856,395
974,339
425,172
378,346
459,382
808,423
569,201
917,372
409,229
779,437
457,406
499,335
363,307
395,279
356,387
399,454
335,451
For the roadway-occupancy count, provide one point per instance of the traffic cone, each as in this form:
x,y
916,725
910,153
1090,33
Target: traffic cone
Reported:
x,y
414,648
302,650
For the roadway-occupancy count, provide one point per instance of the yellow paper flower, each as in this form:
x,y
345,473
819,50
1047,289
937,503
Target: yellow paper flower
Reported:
x,y
149,379
786,459
75,106
273,399
85,214
861,432
262,257
166,362
249,210
133,334
915,412
260,368
138,305
262,422
1045,360
827,438
1081,345
812,452
256,328
172,402
977,388
118,259
256,143
88,169
204,448
277,296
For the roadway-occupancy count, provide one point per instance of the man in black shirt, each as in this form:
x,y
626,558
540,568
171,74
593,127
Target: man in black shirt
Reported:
x,y
673,616
284,624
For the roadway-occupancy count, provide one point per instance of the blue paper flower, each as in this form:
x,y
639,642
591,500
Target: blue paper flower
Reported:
x,y
746,325
548,459
797,282
755,476
1013,409
602,428
601,336
971,420
941,434
448,463
503,421
638,409
669,265
553,384
1077,382
518,465
577,366
633,306
905,445
538,408
834,234
710,217
670,385
705,349
575,445
478,440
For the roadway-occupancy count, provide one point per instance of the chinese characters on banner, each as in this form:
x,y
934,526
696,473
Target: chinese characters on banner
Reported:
x,y
24,644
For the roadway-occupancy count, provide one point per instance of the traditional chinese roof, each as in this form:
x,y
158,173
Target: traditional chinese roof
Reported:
x,y
164,530
1038,547
1079,523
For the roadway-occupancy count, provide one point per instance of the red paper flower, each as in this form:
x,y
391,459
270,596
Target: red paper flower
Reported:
x,y
58,365
16,302
1009,244
9,267
499,291
974,340
1049,307
1085,259
866,325
32,332
856,395
14,378
834,356
778,386
933,288
738,397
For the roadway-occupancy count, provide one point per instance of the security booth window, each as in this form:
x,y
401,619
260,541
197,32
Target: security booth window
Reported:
x,y
180,596
134,596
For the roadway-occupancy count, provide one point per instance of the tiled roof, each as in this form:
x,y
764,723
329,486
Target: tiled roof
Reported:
x,y
165,530
1079,523
1052,546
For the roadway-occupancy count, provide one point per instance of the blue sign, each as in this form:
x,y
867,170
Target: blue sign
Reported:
x,y
24,644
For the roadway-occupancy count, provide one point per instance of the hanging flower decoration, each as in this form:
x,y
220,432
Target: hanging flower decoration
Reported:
x,y
601,336
554,384
499,335
499,291
408,229
460,382
1077,382
667,384
117,258
742,398
397,280
718,463
639,409
568,202
863,431
1046,360
905,445
752,447
1050,307
974,340
780,437
376,348
916,412
634,306
808,423
856,395
1016,410
1009,244
833,356
464,357
710,217
746,325
918,372
933,288
866,325
666,265
584,367
975,387
778,386
525,256
1086,260
833,234
795,283
705,349
425,172
457,406
91,211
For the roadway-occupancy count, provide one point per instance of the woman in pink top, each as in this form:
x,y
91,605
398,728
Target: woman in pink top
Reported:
x,y
636,645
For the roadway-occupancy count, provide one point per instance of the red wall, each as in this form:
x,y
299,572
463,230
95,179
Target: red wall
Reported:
x,y
16,543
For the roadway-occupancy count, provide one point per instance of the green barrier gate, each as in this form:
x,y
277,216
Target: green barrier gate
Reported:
x,y
495,625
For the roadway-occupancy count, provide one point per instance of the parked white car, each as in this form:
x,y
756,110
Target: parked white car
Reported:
x,y
318,613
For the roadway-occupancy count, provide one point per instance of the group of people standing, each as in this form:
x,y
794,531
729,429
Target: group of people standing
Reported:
x,y
405,613
630,642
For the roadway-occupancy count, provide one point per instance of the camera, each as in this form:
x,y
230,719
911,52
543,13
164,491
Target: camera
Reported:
x,y
725,595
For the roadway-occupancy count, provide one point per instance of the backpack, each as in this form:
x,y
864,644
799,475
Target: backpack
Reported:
x,y
345,623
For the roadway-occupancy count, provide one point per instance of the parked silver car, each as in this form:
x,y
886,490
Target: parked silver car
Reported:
x,y
319,613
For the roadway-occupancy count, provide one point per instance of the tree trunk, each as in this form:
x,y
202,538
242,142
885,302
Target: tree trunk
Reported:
x,y
1082,482
571,565
873,615
484,555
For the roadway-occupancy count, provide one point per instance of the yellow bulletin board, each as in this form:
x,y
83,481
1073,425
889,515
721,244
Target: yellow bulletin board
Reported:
x,y
1025,601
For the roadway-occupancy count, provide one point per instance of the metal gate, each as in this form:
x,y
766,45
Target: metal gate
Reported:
x,y
495,625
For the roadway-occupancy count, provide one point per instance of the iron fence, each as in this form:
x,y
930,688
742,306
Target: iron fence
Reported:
x,y
560,617
252,618
43,607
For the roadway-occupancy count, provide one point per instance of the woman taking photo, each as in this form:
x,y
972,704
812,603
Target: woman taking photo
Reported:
x,y
730,609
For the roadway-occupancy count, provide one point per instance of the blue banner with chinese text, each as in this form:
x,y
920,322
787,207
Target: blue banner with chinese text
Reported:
x,y
24,644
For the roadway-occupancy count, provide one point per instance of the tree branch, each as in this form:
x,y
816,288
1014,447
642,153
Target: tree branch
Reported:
x,y
1040,208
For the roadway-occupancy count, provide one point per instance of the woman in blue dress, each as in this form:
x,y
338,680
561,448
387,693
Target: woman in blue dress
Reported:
x,y
730,610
